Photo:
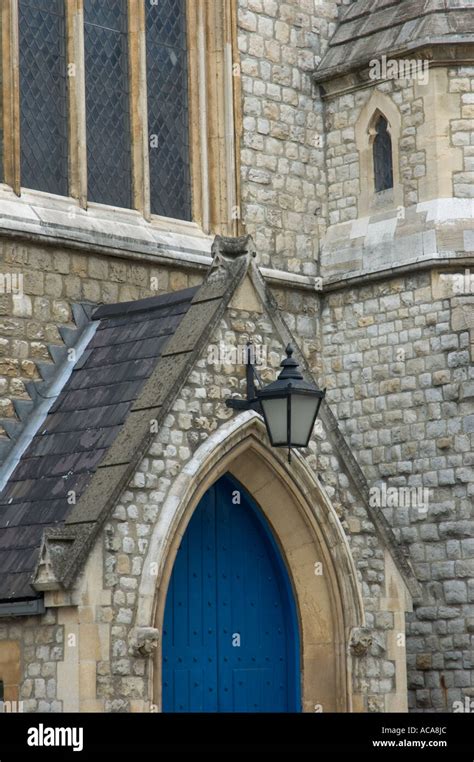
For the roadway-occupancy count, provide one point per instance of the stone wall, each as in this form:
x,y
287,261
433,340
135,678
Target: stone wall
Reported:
x,y
461,80
400,379
41,647
282,155
345,173
55,278
397,376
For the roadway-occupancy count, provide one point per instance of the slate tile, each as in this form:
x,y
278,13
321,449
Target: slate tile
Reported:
x,y
58,464
132,350
19,537
145,305
82,399
46,512
44,489
17,586
12,515
136,331
108,415
125,371
49,444
17,559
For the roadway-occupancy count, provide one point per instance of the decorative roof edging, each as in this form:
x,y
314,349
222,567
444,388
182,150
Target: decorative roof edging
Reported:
x,y
32,412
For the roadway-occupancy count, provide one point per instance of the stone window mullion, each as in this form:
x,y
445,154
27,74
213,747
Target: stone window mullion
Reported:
x,y
223,119
10,669
198,96
76,101
138,107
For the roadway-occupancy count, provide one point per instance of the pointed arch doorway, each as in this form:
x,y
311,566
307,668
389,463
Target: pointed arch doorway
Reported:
x,y
310,539
230,629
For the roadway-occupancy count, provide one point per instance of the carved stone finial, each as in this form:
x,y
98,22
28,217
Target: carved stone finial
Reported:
x,y
228,249
45,577
360,641
144,641
63,546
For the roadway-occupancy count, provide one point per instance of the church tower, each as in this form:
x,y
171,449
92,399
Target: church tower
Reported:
x,y
397,310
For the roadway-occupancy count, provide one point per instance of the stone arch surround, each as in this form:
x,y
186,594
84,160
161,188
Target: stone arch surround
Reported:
x,y
307,529
378,104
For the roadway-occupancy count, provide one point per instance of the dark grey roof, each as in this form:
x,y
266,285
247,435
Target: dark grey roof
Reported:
x,y
80,428
371,28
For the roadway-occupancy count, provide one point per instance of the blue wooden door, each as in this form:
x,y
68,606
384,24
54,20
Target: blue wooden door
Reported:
x,y
230,635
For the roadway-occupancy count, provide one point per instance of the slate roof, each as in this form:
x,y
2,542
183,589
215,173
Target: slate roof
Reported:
x,y
80,427
371,28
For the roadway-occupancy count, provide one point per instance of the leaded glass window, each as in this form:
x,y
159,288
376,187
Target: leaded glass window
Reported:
x,y
107,102
168,114
43,96
383,161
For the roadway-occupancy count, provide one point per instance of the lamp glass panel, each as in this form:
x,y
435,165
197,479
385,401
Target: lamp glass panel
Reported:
x,y
303,409
275,415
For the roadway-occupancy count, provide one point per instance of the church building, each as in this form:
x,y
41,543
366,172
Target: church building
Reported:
x,y
236,355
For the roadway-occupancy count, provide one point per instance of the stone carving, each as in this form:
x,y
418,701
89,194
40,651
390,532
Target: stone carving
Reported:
x,y
62,546
45,578
226,248
360,641
144,641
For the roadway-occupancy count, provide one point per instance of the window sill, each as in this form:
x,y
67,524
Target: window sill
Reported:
x,y
382,200
47,218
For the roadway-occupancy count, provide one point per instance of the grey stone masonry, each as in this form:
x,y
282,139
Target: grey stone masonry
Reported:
x,y
400,376
282,153
41,641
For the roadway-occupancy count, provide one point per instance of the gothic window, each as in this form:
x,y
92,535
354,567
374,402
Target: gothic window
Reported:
x,y
133,112
383,162
168,116
107,102
43,96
